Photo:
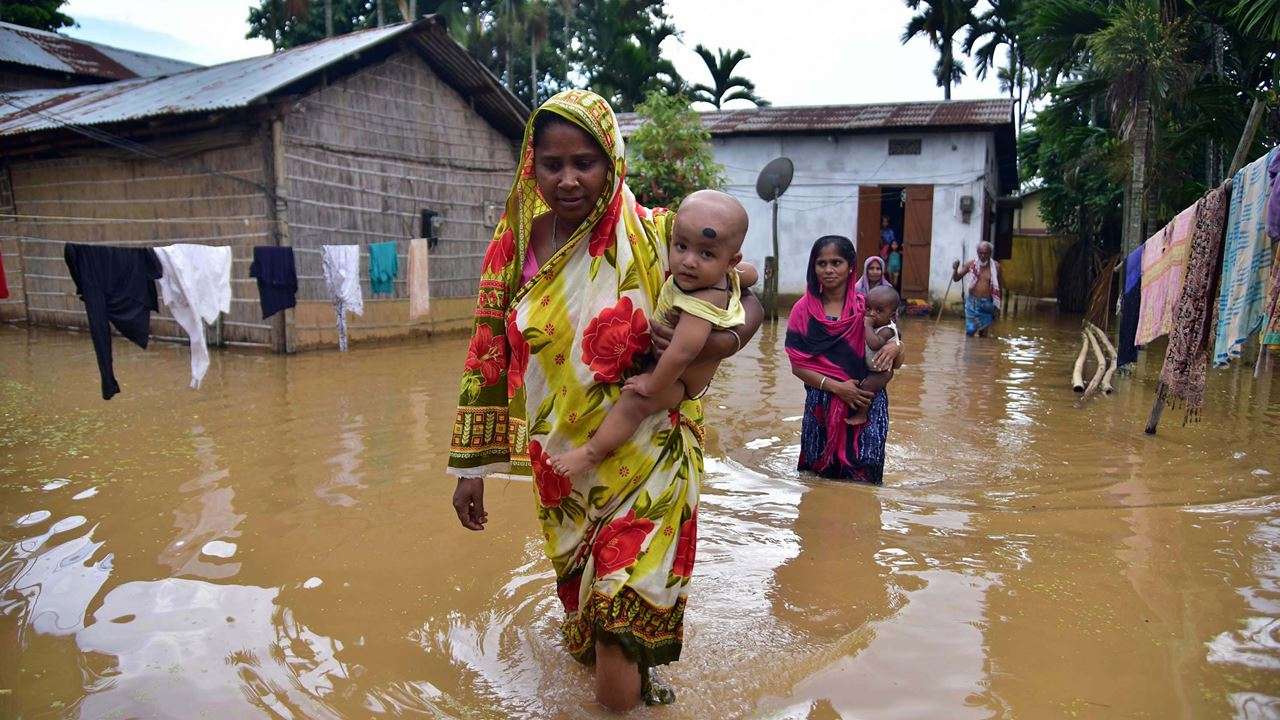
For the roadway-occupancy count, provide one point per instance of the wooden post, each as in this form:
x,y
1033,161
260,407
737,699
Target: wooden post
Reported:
x,y
1250,127
771,272
1156,409
277,213
770,299
1237,161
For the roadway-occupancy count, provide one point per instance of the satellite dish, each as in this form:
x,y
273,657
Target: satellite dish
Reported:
x,y
774,179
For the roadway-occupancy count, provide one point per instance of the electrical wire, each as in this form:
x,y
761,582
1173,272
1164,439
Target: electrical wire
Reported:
x,y
121,143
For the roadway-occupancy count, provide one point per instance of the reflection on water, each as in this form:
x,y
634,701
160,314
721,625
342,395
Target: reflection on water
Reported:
x,y
280,544
157,647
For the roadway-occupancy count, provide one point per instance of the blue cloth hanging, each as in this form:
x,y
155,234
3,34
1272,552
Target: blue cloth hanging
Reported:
x,y
383,267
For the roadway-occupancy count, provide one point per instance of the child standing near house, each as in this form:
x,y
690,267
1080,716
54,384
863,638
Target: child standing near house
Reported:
x,y
895,264
707,272
887,237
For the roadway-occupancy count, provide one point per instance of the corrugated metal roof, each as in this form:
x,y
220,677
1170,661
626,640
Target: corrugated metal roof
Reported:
x,y
59,53
849,118
242,82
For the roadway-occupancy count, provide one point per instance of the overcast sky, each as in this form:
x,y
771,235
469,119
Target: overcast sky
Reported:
x,y
803,52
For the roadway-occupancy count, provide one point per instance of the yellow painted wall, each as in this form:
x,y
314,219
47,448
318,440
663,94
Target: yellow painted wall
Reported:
x,y
1027,220
1033,269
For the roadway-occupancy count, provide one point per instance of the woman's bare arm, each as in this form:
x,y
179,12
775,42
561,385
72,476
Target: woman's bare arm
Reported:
x,y
721,343
848,390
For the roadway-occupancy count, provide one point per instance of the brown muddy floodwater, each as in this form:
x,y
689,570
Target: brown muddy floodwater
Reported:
x,y
281,544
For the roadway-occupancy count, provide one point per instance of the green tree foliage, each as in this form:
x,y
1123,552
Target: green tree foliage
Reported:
x,y
940,21
535,47
669,156
1258,17
521,41
995,28
1143,103
38,14
289,23
617,52
1078,163
725,86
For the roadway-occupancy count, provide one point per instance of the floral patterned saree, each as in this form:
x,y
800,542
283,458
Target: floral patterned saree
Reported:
x,y
546,362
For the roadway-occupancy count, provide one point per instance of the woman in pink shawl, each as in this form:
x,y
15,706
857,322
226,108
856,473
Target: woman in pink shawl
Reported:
x,y
872,270
827,348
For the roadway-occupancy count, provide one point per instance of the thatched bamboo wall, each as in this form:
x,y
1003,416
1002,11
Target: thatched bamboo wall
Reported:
x,y
14,307
363,157
119,198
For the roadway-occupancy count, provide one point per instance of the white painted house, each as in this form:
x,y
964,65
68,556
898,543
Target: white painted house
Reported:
x,y
937,170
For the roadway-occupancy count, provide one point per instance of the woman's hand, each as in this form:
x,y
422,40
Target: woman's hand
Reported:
x,y
660,334
468,502
884,359
850,393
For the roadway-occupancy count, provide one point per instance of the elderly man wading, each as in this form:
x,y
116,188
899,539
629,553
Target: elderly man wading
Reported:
x,y
982,301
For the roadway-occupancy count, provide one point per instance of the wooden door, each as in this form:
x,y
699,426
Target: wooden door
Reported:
x,y
868,239
917,240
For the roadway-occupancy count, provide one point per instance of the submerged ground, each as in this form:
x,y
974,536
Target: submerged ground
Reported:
x,y
281,544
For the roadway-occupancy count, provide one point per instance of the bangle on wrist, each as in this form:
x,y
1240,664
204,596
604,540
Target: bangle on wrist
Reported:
x,y
822,384
737,337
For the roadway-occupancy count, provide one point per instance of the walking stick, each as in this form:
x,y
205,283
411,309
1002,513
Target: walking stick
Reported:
x,y
945,295
944,301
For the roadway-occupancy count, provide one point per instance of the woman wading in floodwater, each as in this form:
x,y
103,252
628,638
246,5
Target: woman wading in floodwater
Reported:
x,y
566,293
826,343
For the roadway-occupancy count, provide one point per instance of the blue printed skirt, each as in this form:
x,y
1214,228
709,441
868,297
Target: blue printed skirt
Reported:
x,y
866,459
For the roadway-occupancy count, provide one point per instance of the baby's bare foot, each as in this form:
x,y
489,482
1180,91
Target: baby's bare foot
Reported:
x,y
856,420
576,462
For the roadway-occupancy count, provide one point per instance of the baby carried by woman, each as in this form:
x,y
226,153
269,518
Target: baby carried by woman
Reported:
x,y
707,274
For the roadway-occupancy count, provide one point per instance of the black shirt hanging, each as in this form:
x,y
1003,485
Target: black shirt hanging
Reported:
x,y
118,286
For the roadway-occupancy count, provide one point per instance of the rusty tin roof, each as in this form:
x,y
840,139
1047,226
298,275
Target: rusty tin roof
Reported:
x,y
243,82
59,53
849,118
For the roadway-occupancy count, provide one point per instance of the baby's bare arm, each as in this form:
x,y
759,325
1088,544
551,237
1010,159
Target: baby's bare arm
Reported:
x,y
875,340
747,274
690,335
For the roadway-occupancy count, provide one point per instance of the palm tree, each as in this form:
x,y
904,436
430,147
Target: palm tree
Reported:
x,y
725,85
999,25
940,20
1137,53
1258,17
537,21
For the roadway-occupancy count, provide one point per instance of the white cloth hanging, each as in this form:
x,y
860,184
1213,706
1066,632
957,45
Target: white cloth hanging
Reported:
x,y
419,279
196,287
342,278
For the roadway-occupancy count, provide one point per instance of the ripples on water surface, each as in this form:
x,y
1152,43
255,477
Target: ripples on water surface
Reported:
x,y
280,544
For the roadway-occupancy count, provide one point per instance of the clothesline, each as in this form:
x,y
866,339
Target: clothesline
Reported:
x,y
1225,237
1225,187
118,286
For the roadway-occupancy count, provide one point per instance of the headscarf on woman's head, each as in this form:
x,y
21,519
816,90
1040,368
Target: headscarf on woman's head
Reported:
x,y
621,239
862,288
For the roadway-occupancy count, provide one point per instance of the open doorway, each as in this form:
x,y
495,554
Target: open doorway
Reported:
x,y
910,212
893,211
